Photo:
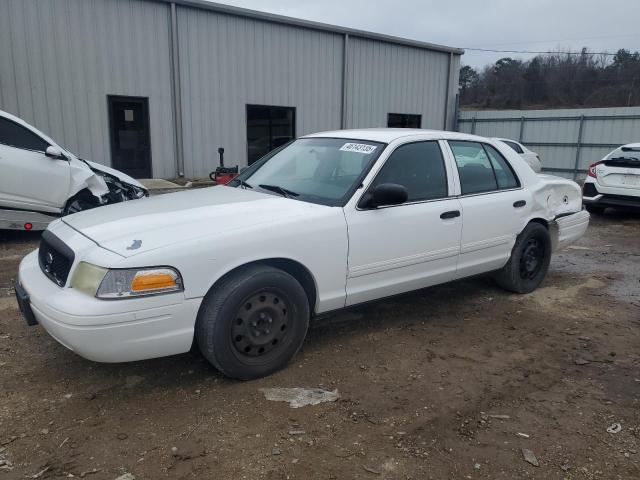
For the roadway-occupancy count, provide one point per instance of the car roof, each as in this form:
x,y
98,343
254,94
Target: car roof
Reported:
x,y
630,145
388,135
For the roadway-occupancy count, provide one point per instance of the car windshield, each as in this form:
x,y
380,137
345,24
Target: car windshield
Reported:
x,y
317,170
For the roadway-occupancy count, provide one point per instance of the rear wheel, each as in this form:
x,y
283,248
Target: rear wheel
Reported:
x,y
253,322
595,209
529,260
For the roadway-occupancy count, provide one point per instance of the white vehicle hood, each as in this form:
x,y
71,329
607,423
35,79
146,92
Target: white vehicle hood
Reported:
x,y
131,228
116,173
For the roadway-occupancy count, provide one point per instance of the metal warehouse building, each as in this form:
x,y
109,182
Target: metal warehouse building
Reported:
x,y
155,87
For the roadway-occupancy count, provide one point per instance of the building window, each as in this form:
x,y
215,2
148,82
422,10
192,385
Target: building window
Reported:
x,y
268,128
404,120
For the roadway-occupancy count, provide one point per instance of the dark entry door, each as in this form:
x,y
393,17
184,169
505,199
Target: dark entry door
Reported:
x,y
130,142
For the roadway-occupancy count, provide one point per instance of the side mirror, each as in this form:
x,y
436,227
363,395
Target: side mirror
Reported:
x,y
55,153
385,194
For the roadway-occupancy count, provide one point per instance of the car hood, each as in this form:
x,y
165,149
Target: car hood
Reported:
x,y
123,177
131,228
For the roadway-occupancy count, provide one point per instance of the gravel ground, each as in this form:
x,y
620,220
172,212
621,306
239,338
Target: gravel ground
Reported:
x,y
449,382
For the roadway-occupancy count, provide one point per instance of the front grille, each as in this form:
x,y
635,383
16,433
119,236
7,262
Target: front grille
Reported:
x,y
55,258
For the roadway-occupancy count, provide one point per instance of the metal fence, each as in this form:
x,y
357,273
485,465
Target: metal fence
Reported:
x,y
567,140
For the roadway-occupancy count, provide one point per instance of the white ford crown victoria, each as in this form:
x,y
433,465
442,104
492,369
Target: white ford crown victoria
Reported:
x,y
327,221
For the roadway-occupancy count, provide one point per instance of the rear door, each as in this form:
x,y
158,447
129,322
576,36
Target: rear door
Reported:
x,y
405,247
29,180
494,207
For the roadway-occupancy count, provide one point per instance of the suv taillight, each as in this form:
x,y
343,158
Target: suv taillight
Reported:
x,y
592,169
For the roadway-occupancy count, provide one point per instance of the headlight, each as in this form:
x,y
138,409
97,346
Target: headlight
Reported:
x,y
125,283
87,278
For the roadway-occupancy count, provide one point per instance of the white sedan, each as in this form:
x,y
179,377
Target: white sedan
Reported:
x,y
41,181
330,220
532,158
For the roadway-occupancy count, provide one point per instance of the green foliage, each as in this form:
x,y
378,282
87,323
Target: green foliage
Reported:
x,y
554,81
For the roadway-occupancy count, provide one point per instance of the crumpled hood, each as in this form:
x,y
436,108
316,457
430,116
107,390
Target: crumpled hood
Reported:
x,y
116,173
131,228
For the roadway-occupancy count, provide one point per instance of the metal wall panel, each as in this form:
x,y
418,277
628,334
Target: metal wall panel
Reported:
x,y
386,78
227,62
561,128
59,59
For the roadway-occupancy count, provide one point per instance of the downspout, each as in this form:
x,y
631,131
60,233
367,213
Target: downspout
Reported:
x,y
345,73
175,91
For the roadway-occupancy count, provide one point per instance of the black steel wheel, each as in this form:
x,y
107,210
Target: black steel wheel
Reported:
x,y
261,325
529,260
253,321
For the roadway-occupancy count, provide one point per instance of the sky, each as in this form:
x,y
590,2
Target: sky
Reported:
x,y
538,25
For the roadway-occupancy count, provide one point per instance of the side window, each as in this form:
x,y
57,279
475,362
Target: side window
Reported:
x,y
419,167
17,136
474,167
515,147
504,174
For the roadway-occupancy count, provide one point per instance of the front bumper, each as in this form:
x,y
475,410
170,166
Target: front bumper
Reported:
x,y
109,331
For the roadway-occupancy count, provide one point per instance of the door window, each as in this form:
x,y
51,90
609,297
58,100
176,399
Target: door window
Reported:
x,y
504,175
481,168
17,136
404,120
267,129
419,167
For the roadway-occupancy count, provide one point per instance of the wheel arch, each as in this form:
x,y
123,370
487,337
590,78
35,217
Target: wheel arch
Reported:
x,y
552,227
293,267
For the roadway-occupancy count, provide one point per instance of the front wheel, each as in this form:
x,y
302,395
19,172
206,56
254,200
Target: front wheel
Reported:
x,y
253,322
529,260
80,202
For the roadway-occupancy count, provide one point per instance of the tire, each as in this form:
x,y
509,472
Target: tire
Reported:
x,y
595,209
529,260
79,202
253,322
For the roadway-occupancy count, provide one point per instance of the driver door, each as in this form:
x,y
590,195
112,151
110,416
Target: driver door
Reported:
x,y
405,247
30,180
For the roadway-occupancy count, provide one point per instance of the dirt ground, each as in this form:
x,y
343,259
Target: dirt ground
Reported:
x,y
446,383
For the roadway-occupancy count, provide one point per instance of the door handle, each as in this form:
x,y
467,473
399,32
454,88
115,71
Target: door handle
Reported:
x,y
451,214
519,203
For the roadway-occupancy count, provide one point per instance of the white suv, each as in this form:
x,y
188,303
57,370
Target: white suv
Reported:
x,y
614,181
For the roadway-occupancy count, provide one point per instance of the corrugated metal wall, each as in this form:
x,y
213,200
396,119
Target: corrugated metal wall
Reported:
x,y
227,62
59,59
386,78
562,126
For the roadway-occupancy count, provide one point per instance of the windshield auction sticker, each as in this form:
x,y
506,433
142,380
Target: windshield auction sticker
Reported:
x,y
358,148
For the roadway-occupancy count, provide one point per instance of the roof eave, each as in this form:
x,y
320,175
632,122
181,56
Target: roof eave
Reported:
x,y
281,19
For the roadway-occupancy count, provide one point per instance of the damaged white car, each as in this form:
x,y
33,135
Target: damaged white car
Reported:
x,y
41,181
328,221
